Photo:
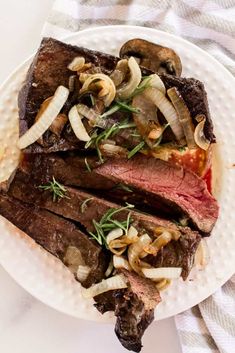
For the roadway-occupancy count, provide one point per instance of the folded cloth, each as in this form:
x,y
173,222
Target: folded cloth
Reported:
x,y
210,326
208,23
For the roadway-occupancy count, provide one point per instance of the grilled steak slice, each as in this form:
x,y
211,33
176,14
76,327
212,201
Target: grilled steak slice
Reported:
x,y
155,183
49,70
180,189
133,307
73,207
178,253
106,301
69,170
135,310
23,188
55,234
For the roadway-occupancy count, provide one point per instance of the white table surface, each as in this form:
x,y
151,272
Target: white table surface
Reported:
x,y
27,325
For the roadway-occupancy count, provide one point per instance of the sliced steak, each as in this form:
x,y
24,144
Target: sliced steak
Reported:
x,y
178,253
49,70
68,170
156,186
55,234
106,301
178,188
73,207
133,307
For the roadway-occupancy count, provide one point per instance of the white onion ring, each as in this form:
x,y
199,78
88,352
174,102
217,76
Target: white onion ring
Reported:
x,y
199,136
167,109
77,63
112,283
135,250
83,272
120,262
76,123
162,272
128,88
108,82
46,119
114,234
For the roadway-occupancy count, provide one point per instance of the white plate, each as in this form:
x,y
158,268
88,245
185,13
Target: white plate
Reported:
x,y
44,276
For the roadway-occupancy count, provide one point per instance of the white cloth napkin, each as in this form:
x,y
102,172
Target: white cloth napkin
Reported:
x,y
210,326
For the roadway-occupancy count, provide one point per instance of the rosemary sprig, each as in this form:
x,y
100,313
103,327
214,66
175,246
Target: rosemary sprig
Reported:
x,y
145,83
84,204
135,135
107,223
123,106
124,187
111,111
127,107
105,134
136,149
57,189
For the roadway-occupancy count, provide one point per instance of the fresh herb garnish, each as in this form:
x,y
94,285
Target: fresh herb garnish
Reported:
x,y
108,223
182,149
84,204
87,165
111,111
136,149
135,135
57,189
127,107
124,187
105,134
142,86
122,106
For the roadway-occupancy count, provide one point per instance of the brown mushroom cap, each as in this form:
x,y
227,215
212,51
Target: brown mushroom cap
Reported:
x,y
153,56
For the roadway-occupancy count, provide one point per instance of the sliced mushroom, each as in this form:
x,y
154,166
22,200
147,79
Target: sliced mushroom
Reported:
x,y
153,56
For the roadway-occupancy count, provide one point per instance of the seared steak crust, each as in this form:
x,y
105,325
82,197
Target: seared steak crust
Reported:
x,y
55,234
49,70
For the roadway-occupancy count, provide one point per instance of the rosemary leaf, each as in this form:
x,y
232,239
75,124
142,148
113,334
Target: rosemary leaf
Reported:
x,y
96,138
107,223
124,187
127,107
142,86
118,224
111,111
58,190
136,149
84,204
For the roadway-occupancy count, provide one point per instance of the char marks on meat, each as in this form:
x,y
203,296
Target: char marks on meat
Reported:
x,y
55,234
